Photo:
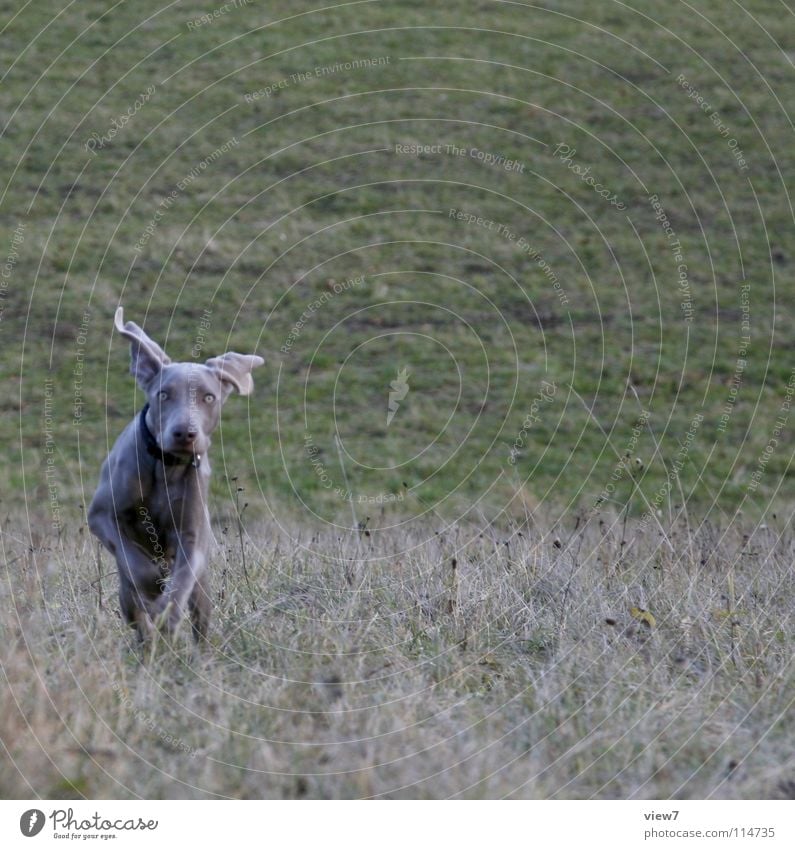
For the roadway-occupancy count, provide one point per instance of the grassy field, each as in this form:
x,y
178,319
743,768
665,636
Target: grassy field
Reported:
x,y
230,180
432,662
513,267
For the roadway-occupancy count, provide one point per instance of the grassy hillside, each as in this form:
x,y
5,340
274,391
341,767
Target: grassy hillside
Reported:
x,y
223,177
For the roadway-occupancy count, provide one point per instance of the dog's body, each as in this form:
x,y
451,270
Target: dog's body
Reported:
x,y
150,508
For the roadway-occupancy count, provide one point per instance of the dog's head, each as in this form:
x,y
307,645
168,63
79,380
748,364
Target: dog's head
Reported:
x,y
185,399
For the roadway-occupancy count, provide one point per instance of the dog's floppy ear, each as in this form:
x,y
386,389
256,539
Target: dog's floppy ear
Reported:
x,y
147,357
234,371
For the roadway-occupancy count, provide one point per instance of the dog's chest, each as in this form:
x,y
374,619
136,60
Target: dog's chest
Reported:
x,y
179,499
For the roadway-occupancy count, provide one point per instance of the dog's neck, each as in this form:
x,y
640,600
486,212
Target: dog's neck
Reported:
x,y
154,450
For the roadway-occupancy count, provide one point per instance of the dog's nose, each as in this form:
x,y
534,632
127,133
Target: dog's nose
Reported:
x,y
185,434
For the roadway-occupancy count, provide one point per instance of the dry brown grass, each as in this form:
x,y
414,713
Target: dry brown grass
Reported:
x,y
369,666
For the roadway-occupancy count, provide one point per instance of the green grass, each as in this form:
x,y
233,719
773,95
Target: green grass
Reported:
x,y
361,677
314,191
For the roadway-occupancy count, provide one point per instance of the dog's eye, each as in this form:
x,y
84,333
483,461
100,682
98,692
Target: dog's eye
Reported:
x,y
162,396
209,397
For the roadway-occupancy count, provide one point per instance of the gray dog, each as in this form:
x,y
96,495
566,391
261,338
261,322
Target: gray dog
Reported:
x,y
150,508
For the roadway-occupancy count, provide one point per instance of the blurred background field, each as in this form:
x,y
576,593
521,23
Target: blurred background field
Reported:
x,y
218,176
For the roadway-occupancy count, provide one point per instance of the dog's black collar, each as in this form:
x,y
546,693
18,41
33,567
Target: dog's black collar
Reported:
x,y
165,457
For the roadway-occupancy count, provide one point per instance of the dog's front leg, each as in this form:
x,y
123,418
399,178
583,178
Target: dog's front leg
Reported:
x,y
190,564
139,574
